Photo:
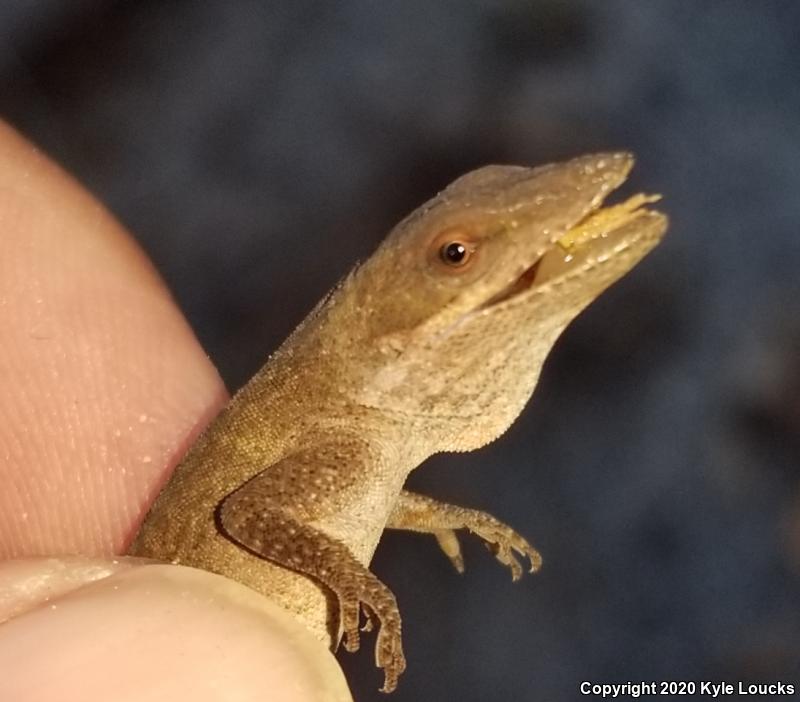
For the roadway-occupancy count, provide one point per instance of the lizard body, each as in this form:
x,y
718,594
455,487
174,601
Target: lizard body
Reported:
x,y
435,343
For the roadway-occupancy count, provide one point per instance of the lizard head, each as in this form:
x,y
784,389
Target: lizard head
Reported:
x,y
460,305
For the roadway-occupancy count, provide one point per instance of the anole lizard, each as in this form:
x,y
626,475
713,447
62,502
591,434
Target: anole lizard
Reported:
x,y
435,343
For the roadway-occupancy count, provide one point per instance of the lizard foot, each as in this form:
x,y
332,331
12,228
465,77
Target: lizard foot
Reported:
x,y
381,608
503,542
420,513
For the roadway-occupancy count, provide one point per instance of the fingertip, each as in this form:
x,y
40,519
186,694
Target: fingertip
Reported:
x,y
164,632
104,383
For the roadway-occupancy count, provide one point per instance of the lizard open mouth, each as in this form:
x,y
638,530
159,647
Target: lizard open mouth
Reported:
x,y
596,238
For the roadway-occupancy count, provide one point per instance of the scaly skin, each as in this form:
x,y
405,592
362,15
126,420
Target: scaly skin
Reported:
x,y
434,344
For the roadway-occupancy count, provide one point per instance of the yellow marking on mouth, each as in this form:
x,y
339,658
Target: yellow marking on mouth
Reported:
x,y
602,221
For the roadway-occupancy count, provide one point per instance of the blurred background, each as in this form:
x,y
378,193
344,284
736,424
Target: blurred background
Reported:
x,y
257,149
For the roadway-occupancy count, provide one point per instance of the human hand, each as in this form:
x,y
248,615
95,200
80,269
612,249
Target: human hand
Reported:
x,y
103,388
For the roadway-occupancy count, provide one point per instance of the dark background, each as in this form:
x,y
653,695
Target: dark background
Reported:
x,y
257,149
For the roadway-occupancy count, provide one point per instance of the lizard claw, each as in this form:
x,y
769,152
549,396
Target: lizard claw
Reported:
x,y
504,543
368,623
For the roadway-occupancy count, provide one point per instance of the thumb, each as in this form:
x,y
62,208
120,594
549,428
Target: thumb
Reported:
x,y
88,629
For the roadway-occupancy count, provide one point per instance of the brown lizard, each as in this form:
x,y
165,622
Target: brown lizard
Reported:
x,y
435,343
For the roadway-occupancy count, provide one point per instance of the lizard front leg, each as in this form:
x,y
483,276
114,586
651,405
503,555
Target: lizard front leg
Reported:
x,y
416,512
269,517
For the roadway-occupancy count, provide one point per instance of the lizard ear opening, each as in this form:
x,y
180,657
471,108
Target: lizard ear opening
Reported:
x,y
392,344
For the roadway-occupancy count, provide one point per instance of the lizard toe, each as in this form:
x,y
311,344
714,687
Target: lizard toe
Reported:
x,y
389,654
448,542
350,610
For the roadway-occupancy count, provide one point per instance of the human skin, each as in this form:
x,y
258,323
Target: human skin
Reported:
x,y
103,388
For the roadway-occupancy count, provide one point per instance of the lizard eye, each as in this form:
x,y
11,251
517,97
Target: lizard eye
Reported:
x,y
454,249
455,253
